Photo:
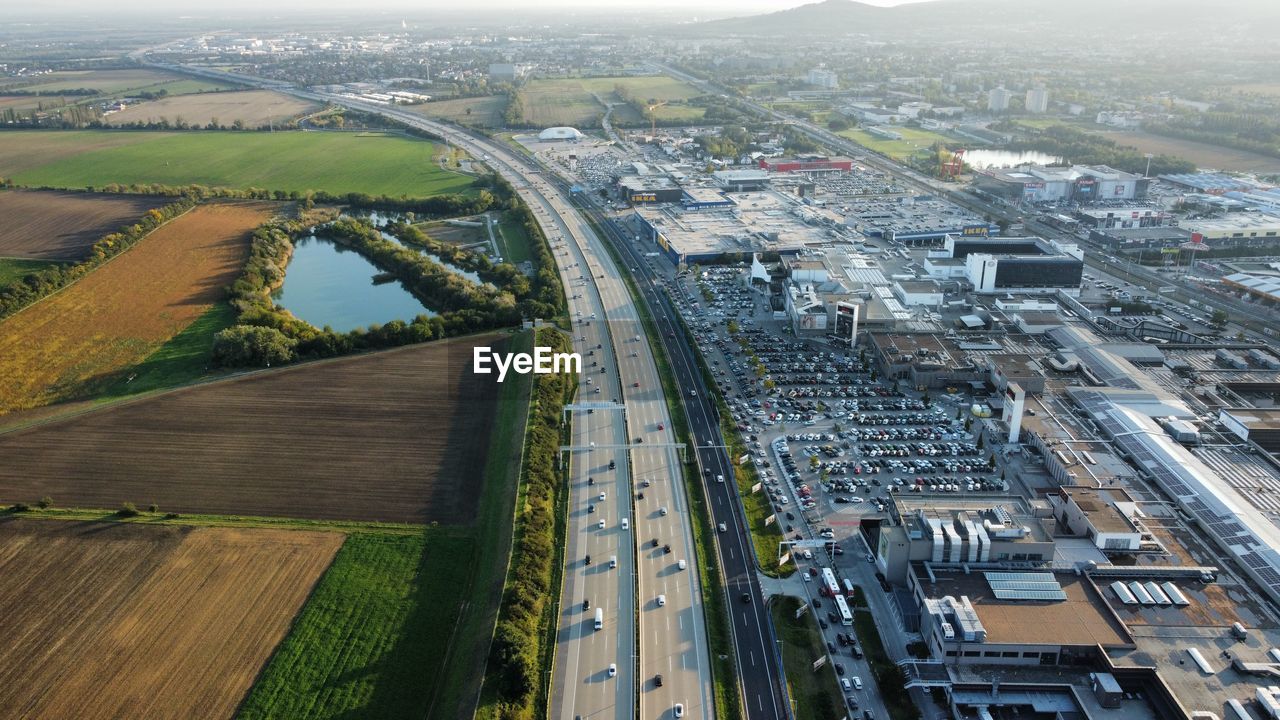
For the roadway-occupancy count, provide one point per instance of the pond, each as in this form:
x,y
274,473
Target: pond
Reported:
x,y
381,220
326,284
982,159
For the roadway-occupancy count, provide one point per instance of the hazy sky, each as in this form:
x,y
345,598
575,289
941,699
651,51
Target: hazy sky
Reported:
x,y
424,7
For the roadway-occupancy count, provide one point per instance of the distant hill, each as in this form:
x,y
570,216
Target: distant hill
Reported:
x,y
839,17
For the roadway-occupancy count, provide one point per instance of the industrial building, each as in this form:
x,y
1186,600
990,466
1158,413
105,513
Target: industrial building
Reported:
x,y
731,223
1108,517
1003,265
822,286
1265,288
638,189
915,220
807,163
1209,183
823,78
1080,184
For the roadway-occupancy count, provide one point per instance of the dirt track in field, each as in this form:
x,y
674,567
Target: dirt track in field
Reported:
x,y
396,436
112,620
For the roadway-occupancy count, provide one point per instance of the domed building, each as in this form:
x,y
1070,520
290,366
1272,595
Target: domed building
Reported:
x,y
560,133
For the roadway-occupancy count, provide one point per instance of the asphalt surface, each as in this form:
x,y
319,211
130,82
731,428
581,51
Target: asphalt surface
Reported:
x,y
754,640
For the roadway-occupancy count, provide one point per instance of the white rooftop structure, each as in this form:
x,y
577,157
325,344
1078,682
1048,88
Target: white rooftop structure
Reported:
x,y
560,133
1239,528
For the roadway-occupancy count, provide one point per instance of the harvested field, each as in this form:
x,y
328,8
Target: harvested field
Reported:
x,y
397,436
572,101
254,108
63,226
1204,155
111,620
485,111
117,315
105,82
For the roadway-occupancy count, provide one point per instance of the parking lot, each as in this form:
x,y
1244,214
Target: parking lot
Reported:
x,y
830,443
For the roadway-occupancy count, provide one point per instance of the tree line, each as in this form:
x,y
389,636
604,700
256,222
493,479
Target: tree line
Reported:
x,y
521,642
265,334
1079,146
46,281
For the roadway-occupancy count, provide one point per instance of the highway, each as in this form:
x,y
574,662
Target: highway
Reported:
x,y
638,440
754,640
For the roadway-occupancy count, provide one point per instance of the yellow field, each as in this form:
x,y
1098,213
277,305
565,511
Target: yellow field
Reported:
x,y
118,314
252,107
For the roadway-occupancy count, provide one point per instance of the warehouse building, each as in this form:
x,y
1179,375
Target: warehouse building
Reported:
x,y
638,189
1082,184
708,227
807,163
1014,265
1241,530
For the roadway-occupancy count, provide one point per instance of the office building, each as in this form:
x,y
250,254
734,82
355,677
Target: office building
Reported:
x,y
1037,100
998,99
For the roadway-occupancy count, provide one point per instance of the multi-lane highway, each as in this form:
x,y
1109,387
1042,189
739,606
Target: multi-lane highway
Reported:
x,y
754,642
600,674
637,440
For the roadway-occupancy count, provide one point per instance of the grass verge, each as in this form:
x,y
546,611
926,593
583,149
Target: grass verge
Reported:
x,y
889,677
719,640
523,646
813,694
512,240
469,647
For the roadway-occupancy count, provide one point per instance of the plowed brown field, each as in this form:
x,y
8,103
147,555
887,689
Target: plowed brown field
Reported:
x,y
63,226
395,436
114,620
119,313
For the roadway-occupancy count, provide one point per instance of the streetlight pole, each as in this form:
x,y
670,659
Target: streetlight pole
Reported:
x,y
1148,156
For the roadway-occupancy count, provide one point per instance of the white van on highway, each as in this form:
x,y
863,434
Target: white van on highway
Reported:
x,y
599,618
662,600
613,561
681,564
625,524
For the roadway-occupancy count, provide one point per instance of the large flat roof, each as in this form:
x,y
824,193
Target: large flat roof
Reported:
x,y
1081,619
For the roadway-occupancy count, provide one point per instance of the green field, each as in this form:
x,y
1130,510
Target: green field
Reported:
x,y
339,162
913,140
813,694
512,240
183,359
400,625
572,101
14,268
